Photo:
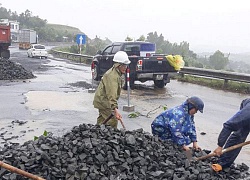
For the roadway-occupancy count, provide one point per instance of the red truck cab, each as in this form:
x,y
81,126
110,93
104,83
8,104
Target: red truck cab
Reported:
x,y
5,39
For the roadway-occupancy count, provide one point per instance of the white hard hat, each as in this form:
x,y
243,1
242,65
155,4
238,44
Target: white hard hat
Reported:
x,y
121,57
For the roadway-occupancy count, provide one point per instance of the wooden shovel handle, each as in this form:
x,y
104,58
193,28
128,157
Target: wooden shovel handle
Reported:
x,y
235,147
205,157
108,118
224,150
122,124
19,171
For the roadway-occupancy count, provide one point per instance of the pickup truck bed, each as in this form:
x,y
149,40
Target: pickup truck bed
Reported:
x,y
153,68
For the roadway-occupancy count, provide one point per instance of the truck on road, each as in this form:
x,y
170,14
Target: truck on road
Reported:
x,y
5,39
145,64
26,38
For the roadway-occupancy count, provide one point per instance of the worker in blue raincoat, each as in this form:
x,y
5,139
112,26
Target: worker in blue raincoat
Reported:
x,y
177,124
234,131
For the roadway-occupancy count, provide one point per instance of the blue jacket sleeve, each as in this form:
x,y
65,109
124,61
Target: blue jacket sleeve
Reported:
x,y
192,134
239,120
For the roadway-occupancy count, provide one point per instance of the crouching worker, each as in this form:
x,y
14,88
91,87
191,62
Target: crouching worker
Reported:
x,y
234,131
109,90
177,124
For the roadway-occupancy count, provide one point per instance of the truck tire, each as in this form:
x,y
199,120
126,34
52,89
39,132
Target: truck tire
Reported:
x,y
95,73
5,54
159,83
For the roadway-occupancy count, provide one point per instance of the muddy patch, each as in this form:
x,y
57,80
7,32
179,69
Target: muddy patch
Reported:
x,y
83,84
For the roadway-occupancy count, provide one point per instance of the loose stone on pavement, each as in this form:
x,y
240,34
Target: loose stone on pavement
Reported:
x,y
101,152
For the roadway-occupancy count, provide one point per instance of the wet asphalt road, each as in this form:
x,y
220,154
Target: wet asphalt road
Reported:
x,y
58,99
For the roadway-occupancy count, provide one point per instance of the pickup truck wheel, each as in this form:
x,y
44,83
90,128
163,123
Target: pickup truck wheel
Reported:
x,y
95,73
159,83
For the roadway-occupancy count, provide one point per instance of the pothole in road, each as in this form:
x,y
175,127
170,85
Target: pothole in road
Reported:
x,y
147,94
83,84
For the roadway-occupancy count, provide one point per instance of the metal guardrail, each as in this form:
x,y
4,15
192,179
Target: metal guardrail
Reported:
x,y
240,77
80,58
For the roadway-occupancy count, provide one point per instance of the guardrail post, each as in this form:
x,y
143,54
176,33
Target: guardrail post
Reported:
x,y
182,75
129,107
225,83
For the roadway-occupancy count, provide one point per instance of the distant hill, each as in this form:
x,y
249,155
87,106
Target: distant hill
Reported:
x,y
63,28
244,57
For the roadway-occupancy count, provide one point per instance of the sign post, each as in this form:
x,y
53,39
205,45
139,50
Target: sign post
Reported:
x,y
80,39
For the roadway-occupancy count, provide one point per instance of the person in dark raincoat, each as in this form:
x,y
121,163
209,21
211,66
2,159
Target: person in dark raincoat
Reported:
x,y
177,124
234,131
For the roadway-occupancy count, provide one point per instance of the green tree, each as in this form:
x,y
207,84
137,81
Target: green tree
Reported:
x,y
95,45
158,40
141,38
128,38
218,61
4,14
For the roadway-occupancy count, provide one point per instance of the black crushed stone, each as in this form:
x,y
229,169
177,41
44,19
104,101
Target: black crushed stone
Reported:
x,y
94,152
12,71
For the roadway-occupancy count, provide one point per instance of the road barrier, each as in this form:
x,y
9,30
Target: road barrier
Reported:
x,y
233,76
80,58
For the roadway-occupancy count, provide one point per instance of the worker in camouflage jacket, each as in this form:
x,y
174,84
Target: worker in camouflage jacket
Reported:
x,y
234,131
109,89
177,124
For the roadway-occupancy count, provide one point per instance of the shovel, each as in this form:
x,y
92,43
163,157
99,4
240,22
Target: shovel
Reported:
x,y
19,171
110,116
189,155
224,150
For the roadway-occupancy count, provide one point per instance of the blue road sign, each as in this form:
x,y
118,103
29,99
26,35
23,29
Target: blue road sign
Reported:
x,y
80,39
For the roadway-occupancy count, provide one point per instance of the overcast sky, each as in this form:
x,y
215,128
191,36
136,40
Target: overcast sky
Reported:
x,y
207,25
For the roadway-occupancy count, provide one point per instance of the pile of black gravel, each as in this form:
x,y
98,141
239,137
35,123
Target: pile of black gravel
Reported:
x,y
100,152
11,71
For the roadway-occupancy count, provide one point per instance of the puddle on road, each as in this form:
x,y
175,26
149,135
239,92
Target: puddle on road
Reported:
x,y
56,112
50,100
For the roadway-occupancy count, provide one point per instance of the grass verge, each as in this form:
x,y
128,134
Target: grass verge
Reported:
x,y
232,86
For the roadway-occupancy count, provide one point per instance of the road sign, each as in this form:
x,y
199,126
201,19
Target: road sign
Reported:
x,y
80,39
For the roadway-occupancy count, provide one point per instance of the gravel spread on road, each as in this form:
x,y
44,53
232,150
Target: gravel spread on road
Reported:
x,y
100,152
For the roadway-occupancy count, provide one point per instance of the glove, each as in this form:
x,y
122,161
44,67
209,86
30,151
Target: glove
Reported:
x,y
216,167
